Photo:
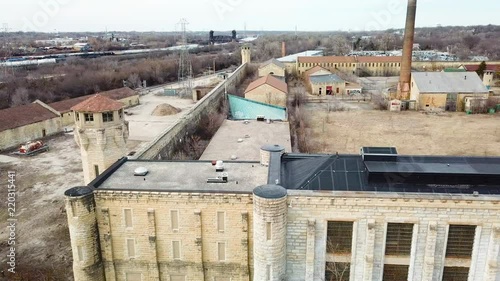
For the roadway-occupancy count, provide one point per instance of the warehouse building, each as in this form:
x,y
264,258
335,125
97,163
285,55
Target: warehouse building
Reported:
x,y
489,73
373,216
26,123
446,90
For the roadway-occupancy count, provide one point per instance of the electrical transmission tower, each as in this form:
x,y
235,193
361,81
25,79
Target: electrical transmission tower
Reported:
x,y
185,67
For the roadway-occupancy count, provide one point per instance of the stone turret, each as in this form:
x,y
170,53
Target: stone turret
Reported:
x,y
84,234
269,224
101,133
246,54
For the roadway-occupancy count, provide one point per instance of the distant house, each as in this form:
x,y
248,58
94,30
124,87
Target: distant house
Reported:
x,y
445,90
268,89
81,47
273,67
27,122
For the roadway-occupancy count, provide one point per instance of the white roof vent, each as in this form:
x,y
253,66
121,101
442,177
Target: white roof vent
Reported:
x,y
234,157
140,172
240,140
219,166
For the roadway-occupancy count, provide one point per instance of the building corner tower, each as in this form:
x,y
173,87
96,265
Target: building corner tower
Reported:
x,y
101,133
269,224
84,234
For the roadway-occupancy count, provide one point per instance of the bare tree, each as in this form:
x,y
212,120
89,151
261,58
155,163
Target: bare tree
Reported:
x,y
20,97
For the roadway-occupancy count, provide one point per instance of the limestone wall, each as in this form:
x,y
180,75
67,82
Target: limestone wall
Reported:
x,y
198,232
309,212
87,263
165,145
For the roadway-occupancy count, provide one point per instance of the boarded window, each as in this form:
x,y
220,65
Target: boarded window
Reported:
x,y
455,274
177,278
221,221
394,272
269,231
96,170
460,241
128,217
176,250
131,248
339,237
221,251
133,277
174,220
77,115
80,253
398,240
337,271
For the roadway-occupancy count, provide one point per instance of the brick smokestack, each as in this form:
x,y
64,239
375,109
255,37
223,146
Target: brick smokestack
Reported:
x,y
283,49
405,77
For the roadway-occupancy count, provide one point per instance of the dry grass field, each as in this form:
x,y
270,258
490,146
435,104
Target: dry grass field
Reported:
x,y
411,132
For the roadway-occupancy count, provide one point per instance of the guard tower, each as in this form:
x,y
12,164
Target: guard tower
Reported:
x,y
101,133
84,234
246,54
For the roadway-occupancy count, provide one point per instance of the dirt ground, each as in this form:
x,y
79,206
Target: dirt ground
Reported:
x,y
410,132
42,240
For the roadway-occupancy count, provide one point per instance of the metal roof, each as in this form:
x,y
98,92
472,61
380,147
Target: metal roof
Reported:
x,y
416,174
273,61
245,109
449,82
294,57
329,78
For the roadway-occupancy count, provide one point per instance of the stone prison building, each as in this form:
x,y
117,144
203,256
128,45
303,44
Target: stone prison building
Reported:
x,y
375,215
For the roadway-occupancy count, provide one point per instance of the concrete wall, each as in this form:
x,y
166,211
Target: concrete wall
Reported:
x,y
14,137
164,146
309,212
267,94
271,69
198,234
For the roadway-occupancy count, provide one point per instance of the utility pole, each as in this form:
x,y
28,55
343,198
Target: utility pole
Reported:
x,y
185,67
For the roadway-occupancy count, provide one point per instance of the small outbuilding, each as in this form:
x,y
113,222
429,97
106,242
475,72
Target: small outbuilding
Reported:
x,y
272,67
268,89
445,90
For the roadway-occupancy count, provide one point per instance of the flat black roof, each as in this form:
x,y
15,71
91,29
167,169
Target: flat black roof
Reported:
x,y
421,174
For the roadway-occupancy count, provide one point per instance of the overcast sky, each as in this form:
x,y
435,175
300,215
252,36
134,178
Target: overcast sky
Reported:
x,y
203,15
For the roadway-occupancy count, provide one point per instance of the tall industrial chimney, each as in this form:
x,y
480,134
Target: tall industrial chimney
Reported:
x,y
283,49
405,77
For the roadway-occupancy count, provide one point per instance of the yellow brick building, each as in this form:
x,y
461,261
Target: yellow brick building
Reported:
x,y
445,90
272,67
268,89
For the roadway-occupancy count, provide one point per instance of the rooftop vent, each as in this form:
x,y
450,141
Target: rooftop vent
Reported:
x,y
219,166
382,154
140,172
220,179
261,118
